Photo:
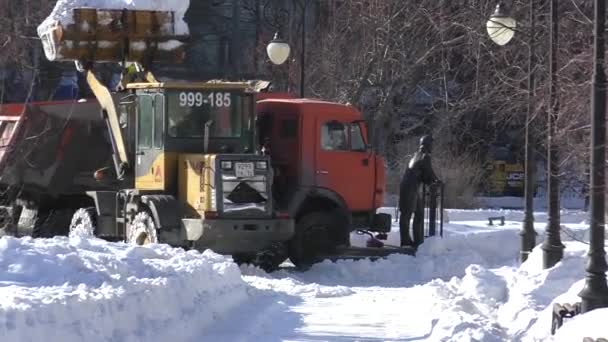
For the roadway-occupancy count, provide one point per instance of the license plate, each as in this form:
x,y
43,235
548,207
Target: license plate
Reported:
x,y
244,170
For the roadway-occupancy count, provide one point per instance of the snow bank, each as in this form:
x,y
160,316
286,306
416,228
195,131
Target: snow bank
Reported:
x,y
436,258
89,290
592,324
63,10
533,290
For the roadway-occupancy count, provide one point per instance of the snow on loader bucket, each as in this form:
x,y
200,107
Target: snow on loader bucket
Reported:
x,y
111,35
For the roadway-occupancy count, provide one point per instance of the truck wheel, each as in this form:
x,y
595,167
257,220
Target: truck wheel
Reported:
x,y
315,237
142,230
272,257
269,259
83,223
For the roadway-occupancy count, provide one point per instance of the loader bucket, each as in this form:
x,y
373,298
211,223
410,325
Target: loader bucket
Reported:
x,y
108,35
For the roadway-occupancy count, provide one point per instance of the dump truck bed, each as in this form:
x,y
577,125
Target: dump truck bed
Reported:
x,y
52,148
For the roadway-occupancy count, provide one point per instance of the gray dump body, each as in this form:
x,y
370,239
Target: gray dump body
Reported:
x,y
52,149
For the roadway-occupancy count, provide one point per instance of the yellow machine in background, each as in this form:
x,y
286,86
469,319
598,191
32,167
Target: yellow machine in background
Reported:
x,y
506,179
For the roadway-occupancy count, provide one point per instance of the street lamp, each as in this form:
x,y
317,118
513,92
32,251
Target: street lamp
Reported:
x,y
501,26
277,43
553,249
595,293
501,35
278,50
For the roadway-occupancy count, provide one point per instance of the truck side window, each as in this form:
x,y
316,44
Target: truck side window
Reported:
x,y
289,129
334,137
7,132
356,138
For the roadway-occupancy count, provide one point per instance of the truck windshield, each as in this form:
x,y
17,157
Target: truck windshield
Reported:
x,y
189,111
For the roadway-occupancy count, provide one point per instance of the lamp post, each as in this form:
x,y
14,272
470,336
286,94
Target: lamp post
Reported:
x,y
278,50
501,26
553,249
595,293
279,60
501,29
303,51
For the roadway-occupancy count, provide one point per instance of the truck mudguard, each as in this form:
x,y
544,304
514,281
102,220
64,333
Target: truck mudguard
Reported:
x,y
303,197
164,210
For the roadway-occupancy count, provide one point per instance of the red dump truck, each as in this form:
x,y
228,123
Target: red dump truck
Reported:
x,y
49,153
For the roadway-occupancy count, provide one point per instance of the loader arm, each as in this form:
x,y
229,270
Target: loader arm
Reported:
x,y
110,115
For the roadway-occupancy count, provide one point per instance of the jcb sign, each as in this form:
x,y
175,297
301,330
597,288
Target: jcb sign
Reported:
x,y
507,179
515,176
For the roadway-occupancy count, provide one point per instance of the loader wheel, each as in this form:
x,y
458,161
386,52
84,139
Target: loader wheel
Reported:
x,y
316,236
84,223
142,231
5,218
50,223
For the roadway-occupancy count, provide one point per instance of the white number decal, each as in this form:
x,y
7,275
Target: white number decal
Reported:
x,y
189,99
218,100
227,100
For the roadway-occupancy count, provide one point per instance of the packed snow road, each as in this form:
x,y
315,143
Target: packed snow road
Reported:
x,y
467,286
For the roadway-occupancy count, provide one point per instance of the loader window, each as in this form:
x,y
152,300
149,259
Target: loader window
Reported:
x,y
159,109
145,122
190,110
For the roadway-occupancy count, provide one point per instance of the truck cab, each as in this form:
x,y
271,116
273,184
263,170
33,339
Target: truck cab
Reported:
x,y
324,168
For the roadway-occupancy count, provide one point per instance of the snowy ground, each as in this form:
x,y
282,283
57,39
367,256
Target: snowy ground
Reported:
x,y
467,286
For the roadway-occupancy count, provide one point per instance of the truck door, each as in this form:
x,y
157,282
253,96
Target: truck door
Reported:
x,y
149,156
343,163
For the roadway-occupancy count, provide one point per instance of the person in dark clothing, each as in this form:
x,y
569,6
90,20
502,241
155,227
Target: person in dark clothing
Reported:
x,y
419,171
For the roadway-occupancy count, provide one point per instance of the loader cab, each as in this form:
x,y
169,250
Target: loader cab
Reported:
x,y
187,118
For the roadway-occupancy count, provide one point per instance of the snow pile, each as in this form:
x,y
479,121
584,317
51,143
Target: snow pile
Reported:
x,y
436,258
533,290
90,290
467,286
62,13
592,324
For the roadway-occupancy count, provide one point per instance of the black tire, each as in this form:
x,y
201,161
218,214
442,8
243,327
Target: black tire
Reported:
x,y
269,259
50,223
6,218
243,258
142,230
84,223
317,235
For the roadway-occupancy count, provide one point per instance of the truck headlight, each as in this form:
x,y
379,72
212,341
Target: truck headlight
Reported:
x,y
262,165
226,165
